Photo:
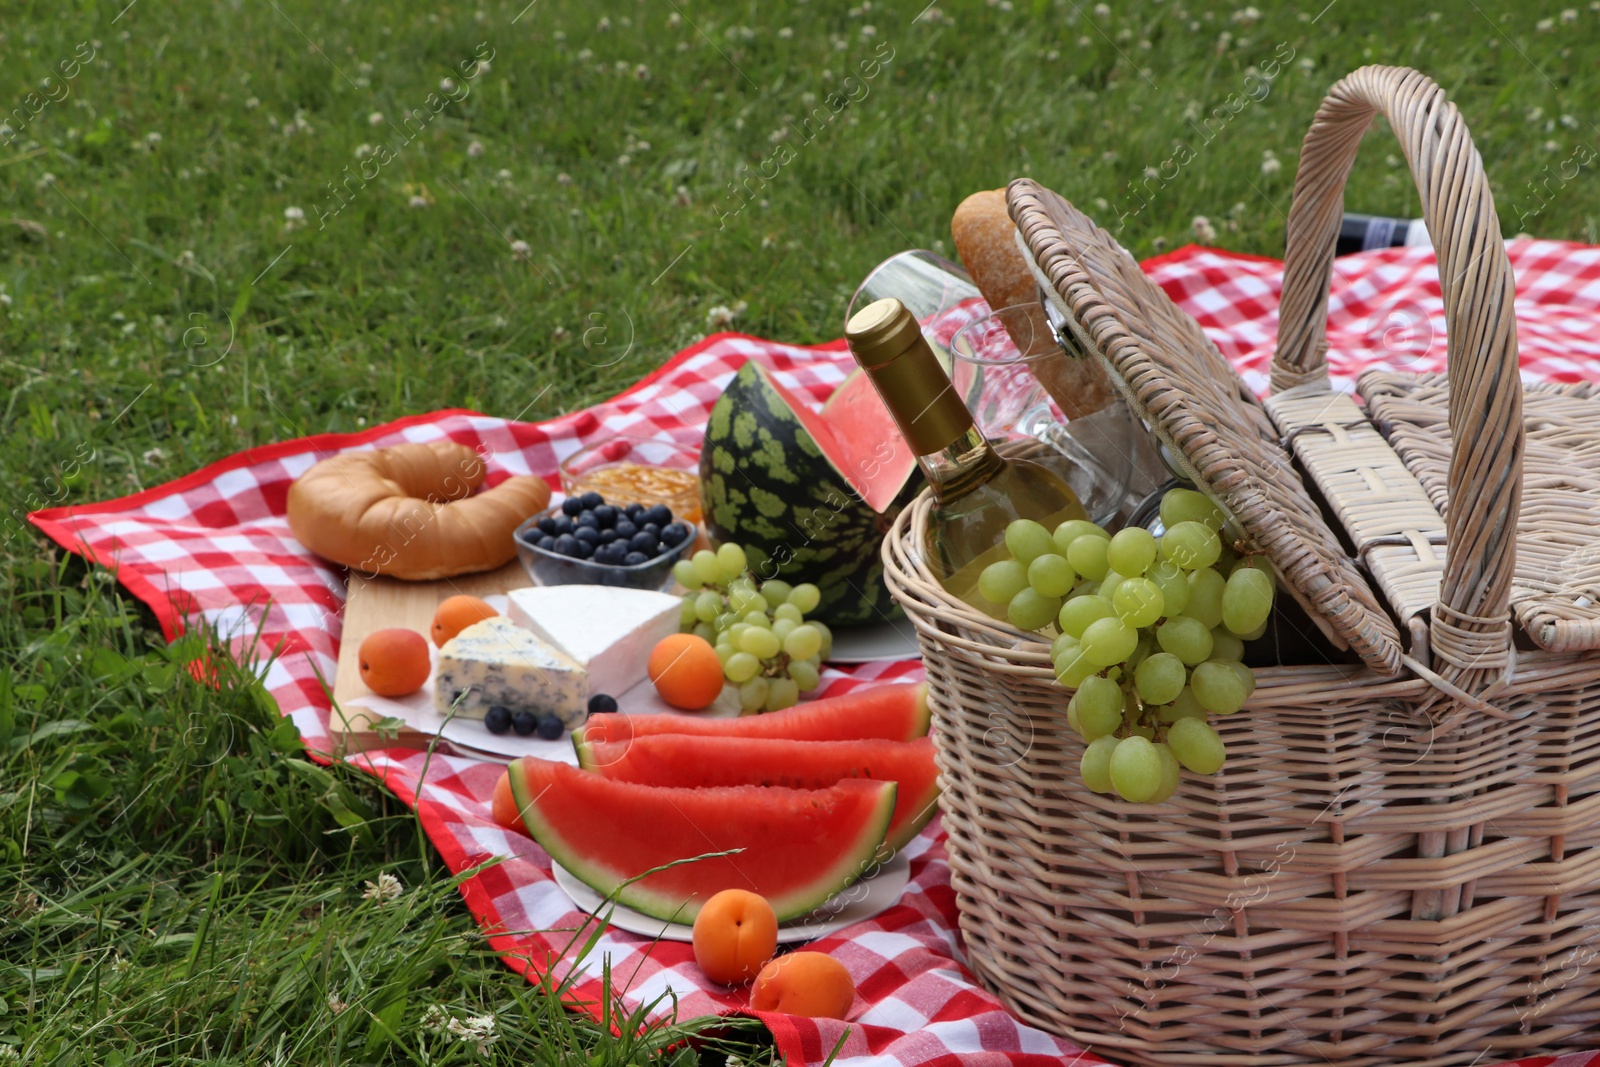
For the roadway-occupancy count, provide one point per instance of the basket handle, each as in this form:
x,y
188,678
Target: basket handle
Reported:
x,y
1469,630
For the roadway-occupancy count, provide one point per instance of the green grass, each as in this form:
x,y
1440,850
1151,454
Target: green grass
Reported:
x,y
176,884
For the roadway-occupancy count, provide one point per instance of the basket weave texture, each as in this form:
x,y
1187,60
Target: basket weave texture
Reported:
x,y
1400,862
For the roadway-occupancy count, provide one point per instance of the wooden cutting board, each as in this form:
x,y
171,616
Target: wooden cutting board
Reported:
x,y
378,603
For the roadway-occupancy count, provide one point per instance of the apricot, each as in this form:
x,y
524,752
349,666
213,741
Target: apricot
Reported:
x,y
812,984
735,935
685,671
394,662
503,808
456,614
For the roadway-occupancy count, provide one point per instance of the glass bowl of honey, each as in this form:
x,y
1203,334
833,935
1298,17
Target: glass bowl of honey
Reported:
x,y
638,470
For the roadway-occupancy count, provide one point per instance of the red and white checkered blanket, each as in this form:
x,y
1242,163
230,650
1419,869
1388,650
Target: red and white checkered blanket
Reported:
x,y
215,545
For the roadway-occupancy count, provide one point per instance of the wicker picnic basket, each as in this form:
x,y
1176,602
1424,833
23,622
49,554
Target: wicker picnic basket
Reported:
x,y
1400,862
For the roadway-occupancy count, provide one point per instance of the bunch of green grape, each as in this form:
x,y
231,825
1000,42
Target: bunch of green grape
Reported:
x,y
1152,633
759,629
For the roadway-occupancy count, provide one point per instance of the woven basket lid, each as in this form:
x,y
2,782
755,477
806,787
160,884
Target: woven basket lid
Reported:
x,y
1201,409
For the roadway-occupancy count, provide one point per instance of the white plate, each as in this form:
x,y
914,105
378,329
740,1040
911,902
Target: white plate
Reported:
x,y
875,642
860,901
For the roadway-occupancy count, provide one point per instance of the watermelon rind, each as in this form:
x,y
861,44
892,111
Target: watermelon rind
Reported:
x,y
860,858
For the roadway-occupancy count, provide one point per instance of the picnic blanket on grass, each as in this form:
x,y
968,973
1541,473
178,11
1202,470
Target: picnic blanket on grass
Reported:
x,y
216,546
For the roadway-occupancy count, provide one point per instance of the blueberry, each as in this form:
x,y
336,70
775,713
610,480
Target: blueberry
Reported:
x,y
572,505
588,534
675,533
606,516
643,541
633,511
547,525
497,720
585,549
586,518
550,728
566,545
660,515
524,723
602,704
607,536
652,529
625,528
616,552
592,500
633,559
563,526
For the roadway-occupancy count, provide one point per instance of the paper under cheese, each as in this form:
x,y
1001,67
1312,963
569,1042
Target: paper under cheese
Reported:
x,y
607,631
498,662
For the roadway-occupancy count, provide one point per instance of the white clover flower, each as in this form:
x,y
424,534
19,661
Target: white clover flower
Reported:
x,y
1534,114
375,119
1545,25
681,195
434,1018
1203,230
482,69
363,151
186,258
1270,164
336,1005
585,54
475,149
604,25
417,200
5,300
521,249
869,31
1102,11
152,456
1569,121
563,178
1307,64
721,315
251,103
674,21
785,33
477,1030
447,85
294,214
152,138
503,174
1552,146
45,181
641,73
387,888
1246,16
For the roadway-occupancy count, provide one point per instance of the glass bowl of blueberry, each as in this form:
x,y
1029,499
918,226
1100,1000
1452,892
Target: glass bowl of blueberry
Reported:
x,y
586,541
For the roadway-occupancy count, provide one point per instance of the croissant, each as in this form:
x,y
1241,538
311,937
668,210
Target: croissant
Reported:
x,y
409,511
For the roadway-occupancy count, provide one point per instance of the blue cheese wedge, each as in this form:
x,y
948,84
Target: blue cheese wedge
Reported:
x,y
498,662
607,631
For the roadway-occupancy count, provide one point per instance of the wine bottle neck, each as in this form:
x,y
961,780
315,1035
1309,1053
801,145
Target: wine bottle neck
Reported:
x,y
960,466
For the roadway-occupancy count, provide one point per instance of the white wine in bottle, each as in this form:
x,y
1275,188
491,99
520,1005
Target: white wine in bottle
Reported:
x,y
977,492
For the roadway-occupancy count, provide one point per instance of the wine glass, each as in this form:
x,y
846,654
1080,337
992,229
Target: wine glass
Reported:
x,y
938,292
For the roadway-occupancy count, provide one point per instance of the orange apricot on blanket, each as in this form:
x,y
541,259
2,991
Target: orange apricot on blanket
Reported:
x,y
735,935
812,984
456,614
394,662
503,808
686,671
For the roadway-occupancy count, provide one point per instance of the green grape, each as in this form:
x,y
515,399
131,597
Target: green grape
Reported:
x,y
1108,641
1186,505
1197,746
1225,644
1140,653
1185,637
1073,529
805,674
757,620
684,571
1247,677
1051,575
776,591
732,558
743,598
1072,672
999,582
741,667
806,597
788,611
1110,584
827,637
1217,688
781,693
687,615
803,642
762,644
1072,719
1247,600
1093,722
1226,561
734,631
1191,545
707,570
1131,551
1076,614
1184,707
753,694
1100,707
783,627
707,606
1138,602
1026,540
1085,589
1171,775
1146,732
1094,766
1088,556
1174,586
1205,597
1030,611
1160,678
1135,769
725,652
1257,563
704,630
1061,644
1256,633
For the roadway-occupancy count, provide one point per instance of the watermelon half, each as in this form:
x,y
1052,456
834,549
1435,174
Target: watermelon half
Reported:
x,y
891,712
691,761
809,495
799,846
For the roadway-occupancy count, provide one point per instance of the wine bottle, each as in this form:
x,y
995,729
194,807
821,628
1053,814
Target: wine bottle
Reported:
x,y
1362,233
977,491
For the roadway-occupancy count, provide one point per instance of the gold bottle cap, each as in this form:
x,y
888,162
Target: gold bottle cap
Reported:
x,y
886,341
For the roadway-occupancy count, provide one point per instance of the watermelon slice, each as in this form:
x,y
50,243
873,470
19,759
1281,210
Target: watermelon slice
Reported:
x,y
891,712
800,846
687,760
